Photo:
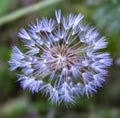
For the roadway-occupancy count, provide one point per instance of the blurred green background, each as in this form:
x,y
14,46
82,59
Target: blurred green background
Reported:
x,y
16,103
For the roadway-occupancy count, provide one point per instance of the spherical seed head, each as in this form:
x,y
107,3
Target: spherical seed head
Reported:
x,y
62,58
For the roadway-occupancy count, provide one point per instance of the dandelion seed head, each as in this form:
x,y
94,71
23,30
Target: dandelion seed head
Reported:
x,y
62,58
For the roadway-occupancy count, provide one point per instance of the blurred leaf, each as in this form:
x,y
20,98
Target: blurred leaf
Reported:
x,y
26,10
4,5
107,17
104,113
4,52
14,107
42,106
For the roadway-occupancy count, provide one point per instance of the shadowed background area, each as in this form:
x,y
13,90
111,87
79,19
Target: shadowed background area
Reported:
x,y
16,103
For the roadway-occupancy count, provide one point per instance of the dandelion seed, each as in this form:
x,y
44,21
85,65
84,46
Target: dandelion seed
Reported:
x,y
62,58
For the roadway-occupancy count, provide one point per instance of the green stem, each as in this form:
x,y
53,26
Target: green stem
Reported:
x,y
27,10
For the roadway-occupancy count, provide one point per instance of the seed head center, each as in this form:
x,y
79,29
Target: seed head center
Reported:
x,y
58,57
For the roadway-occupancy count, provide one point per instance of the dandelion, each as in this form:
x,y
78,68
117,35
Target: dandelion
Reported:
x,y
62,58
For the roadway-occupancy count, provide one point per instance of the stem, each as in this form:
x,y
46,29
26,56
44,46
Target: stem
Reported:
x,y
27,10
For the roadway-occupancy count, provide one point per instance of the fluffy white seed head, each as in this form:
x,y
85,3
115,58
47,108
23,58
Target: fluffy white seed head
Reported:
x,y
62,58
